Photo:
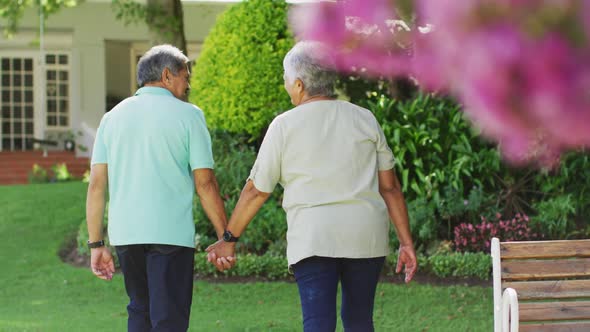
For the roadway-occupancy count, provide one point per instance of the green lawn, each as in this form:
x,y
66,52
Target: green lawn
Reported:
x,y
40,293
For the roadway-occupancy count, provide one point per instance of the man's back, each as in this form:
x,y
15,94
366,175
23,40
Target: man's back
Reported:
x,y
152,142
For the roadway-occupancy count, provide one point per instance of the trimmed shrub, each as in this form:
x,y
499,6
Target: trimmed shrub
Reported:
x,y
460,265
267,266
447,264
238,78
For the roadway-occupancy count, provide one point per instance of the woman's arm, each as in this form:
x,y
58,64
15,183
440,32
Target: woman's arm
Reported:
x,y
250,201
390,190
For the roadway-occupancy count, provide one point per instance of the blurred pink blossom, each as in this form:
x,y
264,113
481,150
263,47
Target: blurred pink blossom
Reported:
x,y
521,68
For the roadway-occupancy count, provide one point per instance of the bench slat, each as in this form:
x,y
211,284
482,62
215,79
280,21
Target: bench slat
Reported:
x,y
545,269
545,249
550,289
556,327
546,311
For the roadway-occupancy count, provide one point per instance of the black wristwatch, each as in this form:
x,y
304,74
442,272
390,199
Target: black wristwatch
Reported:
x,y
97,244
229,237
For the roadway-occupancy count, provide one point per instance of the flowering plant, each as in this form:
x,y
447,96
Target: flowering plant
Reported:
x,y
521,68
476,238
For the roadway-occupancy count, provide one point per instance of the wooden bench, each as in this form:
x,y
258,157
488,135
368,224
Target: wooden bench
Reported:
x,y
541,286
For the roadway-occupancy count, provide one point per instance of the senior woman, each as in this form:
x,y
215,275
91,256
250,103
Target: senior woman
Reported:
x,y
340,191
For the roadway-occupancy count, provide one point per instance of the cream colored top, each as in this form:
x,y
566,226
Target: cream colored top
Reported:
x,y
326,155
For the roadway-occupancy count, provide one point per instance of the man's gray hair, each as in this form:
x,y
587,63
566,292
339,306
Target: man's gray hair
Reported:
x,y
153,62
310,62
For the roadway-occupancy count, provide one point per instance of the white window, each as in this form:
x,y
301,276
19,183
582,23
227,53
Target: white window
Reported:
x,y
57,80
17,102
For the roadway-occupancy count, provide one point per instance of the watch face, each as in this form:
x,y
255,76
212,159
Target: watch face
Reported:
x,y
226,236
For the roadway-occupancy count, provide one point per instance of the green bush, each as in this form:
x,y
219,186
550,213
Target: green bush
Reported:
x,y
460,265
423,224
82,237
448,264
233,161
555,216
238,78
265,266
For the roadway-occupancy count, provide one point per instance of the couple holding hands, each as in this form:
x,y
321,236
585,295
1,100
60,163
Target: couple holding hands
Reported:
x,y
330,156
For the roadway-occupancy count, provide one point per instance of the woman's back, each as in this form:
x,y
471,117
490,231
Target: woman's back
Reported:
x,y
327,154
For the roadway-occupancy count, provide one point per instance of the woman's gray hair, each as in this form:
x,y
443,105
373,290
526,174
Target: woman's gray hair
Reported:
x,y
153,62
310,62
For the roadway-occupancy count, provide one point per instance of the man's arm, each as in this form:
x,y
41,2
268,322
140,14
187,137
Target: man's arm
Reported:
x,y
208,191
250,201
390,190
101,260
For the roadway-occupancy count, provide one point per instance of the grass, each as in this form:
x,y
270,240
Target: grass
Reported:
x,y
40,293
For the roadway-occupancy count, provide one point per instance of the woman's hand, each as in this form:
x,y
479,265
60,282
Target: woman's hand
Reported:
x,y
407,258
222,255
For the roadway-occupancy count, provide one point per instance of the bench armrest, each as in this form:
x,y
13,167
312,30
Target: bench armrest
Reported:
x,y
509,311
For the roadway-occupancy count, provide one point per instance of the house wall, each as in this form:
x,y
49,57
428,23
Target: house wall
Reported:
x,y
93,31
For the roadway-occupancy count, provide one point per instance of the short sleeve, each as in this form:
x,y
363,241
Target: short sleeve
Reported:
x,y
266,171
385,158
200,152
99,150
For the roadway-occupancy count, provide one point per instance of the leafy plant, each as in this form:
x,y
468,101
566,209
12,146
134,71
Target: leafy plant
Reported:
x,y
61,173
571,177
86,176
38,175
238,80
555,216
423,223
434,145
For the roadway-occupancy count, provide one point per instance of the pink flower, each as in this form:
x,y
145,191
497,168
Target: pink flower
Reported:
x,y
519,67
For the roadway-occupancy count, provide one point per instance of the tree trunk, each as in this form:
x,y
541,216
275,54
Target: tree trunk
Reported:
x,y
165,21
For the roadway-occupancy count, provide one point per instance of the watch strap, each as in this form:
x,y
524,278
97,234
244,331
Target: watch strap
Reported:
x,y
97,244
229,237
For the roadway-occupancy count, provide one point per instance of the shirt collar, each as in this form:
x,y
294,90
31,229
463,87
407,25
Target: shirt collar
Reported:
x,y
153,90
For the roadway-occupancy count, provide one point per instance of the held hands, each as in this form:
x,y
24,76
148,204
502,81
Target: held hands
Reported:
x,y
407,258
222,255
101,263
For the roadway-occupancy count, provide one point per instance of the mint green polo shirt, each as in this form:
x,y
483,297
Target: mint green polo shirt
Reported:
x,y
151,143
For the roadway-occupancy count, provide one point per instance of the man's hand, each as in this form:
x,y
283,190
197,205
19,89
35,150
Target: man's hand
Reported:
x,y
407,258
222,255
101,263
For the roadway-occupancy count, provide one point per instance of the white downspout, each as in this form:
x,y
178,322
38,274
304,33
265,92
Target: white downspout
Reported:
x,y
43,74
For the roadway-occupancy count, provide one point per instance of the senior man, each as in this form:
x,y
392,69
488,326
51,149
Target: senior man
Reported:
x,y
153,149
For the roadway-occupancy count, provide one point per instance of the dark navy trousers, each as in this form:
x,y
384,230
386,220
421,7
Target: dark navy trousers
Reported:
x,y
159,283
317,279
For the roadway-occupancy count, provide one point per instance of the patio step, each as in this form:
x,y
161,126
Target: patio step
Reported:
x,y
16,165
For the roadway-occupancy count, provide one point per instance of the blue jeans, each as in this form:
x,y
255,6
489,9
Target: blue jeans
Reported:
x,y
159,283
317,279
